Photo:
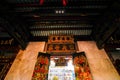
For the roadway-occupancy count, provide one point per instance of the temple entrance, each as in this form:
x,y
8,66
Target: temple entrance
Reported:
x,y
61,68
61,61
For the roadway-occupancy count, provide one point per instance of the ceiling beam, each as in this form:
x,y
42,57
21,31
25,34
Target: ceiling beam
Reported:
x,y
106,35
107,25
15,32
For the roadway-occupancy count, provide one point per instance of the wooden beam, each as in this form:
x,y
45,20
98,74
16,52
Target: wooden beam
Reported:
x,y
107,34
106,25
11,30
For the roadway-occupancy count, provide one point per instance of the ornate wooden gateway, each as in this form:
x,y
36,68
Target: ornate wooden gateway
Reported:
x,y
60,45
61,62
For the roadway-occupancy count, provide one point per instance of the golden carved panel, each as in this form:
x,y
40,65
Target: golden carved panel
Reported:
x,y
61,39
59,44
61,47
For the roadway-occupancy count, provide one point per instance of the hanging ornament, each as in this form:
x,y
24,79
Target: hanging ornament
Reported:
x,y
41,2
64,2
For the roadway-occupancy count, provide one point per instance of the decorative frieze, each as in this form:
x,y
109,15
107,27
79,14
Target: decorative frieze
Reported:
x,y
60,44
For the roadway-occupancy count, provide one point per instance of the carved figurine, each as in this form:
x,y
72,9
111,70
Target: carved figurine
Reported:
x,y
57,47
64,47
50,48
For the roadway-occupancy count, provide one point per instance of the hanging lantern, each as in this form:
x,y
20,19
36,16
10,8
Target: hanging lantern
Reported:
x,y
64,2
41,2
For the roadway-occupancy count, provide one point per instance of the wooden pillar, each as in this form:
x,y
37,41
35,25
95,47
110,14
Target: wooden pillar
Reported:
x,y
23,65
99,62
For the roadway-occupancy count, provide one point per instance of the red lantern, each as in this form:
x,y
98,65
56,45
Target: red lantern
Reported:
x,y
41,2
64,2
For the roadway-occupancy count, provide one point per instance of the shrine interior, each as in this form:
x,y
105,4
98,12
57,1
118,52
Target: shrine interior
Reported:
x,y
60,24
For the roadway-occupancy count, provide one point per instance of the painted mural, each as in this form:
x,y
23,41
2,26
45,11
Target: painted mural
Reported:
x,y
41,67
81,67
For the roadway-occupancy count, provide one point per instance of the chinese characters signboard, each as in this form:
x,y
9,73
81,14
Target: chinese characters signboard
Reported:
x,y
61,44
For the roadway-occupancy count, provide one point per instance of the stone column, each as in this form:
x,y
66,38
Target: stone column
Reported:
x,y
99,62
23,65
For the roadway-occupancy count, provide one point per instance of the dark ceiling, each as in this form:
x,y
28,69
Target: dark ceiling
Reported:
x,y
35,20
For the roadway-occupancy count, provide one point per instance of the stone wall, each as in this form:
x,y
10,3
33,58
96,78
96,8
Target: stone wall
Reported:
x,y
23,65
99,63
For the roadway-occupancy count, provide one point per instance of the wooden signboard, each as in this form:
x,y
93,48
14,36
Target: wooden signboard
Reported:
x,y
61,47
61,44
